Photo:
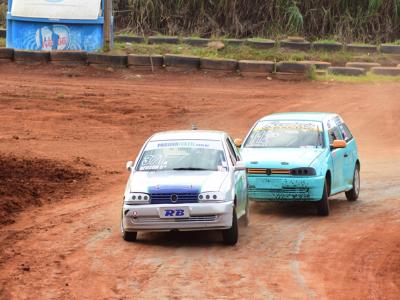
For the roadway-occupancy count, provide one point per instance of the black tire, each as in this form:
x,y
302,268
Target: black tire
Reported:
x,y
107,59
352,195
292,67
256,66
323,204
138,60
129,39
231,235
163,40
182,61
267,44
6,53
28,56
228,65
78,57
129,236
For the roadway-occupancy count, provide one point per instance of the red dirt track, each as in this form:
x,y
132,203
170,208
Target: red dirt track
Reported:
x,y
94,121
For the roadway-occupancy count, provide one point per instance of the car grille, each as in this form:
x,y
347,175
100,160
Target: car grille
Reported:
x,y
154,220
259,171
166,198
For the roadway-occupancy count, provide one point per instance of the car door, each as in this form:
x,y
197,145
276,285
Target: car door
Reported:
x,y
338,161
239,178
350,154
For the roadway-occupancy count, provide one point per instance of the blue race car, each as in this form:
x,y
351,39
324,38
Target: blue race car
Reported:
x,y
301,157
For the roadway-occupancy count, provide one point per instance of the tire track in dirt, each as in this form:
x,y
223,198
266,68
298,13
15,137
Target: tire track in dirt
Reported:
x,y
286,253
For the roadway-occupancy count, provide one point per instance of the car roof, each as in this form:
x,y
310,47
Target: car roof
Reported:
x,y
189,134
300,116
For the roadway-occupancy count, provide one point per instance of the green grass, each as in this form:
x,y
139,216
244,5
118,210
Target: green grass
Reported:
x,y
259,39
396,43
248,53
326,41
369,78
2,42
361,44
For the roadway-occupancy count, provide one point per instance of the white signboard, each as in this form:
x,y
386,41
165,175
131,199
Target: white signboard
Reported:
x,y
57,9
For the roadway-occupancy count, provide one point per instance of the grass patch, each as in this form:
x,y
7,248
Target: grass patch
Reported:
x,y
312,73
246,52
361,44
327,41
395,43
369,78
259,39
126,33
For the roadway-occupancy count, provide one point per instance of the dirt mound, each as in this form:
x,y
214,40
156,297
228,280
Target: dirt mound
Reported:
x,y
27,182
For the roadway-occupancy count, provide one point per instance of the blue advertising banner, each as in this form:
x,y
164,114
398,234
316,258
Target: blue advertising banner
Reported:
x,y
57,36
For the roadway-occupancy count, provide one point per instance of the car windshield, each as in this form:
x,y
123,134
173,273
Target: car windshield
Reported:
x,y
183,155
286,134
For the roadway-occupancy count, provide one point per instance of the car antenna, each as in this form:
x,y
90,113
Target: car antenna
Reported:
x,y
194,126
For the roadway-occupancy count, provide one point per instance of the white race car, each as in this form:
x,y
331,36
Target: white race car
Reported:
x,y
186,180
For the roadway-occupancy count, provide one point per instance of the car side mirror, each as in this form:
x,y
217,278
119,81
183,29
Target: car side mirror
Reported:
x,y
238,143
338,144
129,165
240,166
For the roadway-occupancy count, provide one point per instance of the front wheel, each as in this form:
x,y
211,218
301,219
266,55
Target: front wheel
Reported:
x,y
323,204
352,195
129,236
231,235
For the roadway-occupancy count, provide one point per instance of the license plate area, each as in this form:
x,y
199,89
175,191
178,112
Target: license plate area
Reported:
x,y
174,212
266,182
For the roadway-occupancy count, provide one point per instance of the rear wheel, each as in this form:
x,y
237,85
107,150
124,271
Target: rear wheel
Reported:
x,y
323,204
231,235
352,195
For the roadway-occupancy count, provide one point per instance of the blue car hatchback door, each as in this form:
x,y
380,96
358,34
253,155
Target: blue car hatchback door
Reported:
x,y
301,157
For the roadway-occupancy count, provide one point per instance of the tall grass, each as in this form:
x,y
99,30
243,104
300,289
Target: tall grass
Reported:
x,y
362,20
3,13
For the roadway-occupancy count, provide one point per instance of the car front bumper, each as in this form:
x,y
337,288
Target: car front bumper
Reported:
x,y
203,216
285,188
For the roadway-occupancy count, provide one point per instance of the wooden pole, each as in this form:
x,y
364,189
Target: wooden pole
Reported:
x,y
107,24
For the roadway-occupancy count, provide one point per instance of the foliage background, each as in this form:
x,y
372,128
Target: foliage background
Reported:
x,y
345,20
361,20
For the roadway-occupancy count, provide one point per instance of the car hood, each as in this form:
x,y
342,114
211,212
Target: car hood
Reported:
x,y
200,181
286,158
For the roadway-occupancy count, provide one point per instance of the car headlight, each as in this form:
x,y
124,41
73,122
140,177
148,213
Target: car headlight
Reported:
x,y
137,198
303,172
210,197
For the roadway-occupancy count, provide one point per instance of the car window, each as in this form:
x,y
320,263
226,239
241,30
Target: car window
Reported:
x,y
231,151
286,134
334,134
193,155
347,136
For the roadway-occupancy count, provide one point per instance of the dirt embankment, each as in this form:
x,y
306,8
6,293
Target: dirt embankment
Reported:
x,y
103,118
32,182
